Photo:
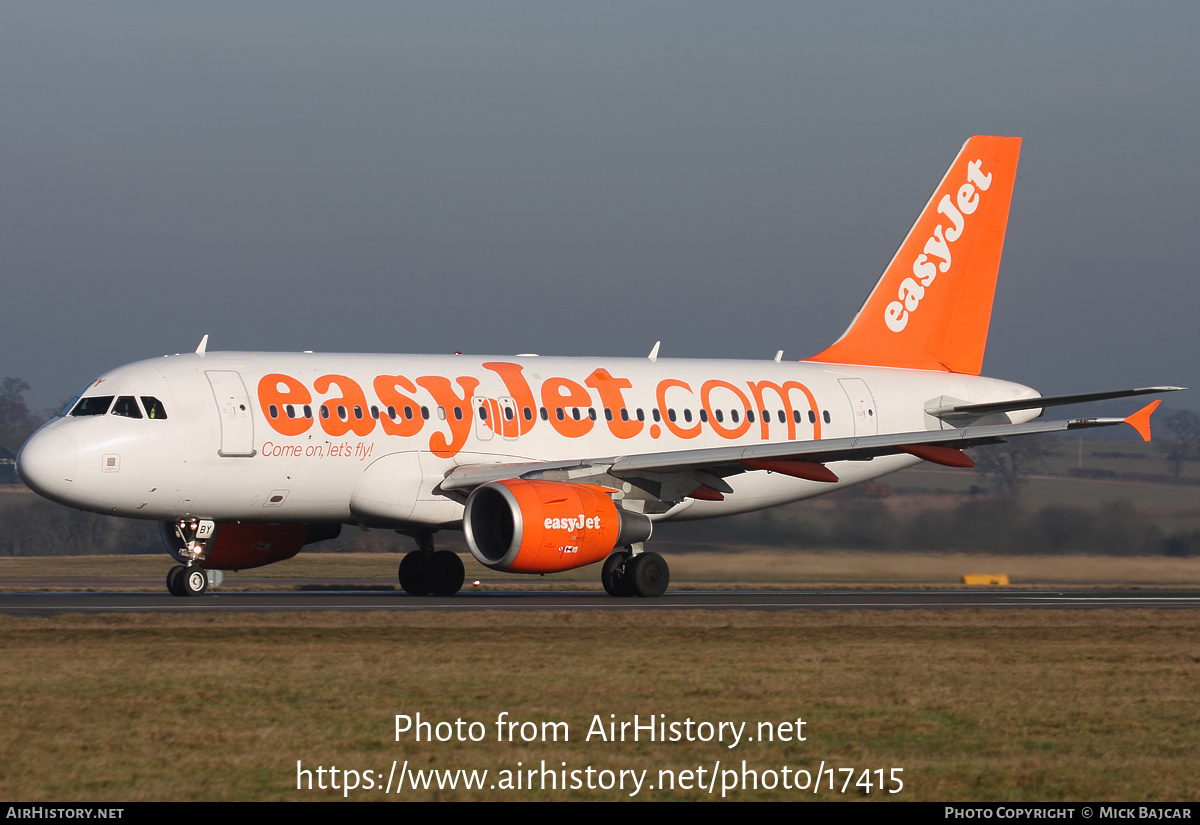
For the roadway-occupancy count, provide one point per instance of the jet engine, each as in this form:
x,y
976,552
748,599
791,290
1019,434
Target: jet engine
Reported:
x,y
547,526
242,546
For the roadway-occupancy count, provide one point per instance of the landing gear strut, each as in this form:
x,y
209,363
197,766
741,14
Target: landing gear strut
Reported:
x,y
643,574
426,571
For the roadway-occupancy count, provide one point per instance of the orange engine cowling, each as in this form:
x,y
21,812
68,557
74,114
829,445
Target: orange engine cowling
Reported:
x,y
546,526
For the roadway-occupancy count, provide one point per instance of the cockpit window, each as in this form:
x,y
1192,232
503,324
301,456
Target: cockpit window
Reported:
x,y
154,407
96,405
127,407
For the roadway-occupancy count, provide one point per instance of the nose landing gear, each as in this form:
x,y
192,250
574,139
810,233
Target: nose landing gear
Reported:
x,y
187,541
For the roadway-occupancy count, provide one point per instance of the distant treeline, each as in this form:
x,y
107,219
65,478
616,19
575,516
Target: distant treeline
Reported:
x,y
32,527
979,525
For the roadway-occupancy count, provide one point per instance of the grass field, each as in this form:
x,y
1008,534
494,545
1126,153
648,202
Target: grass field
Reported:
x,y
972,705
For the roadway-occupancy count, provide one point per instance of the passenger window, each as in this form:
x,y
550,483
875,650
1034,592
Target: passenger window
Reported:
x,y
96,405
812,417
154,407
273,411
825,415
289,410
126,407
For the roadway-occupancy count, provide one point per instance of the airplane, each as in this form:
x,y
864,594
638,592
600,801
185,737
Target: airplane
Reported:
x,y
548,464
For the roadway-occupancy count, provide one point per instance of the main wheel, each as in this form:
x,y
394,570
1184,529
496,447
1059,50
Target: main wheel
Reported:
x,y
615,574
175,581
443,573
411,579
194,581
650,574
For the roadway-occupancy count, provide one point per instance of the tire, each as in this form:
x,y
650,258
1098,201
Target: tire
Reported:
x,y
443,573
650,575
411,580
614,575
194,581
175,581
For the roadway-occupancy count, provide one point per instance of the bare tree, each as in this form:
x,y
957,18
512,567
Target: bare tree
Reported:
x,y
1012,463
16,422
1184,442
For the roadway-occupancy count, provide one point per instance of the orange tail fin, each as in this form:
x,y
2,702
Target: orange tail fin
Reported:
x,y
932,307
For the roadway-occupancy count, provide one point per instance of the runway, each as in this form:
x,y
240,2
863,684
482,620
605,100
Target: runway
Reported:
x,y
63,603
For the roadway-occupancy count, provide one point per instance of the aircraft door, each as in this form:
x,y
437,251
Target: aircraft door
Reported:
x,y
233,408
862,405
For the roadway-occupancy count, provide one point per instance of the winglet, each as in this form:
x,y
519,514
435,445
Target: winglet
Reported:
x,y
203,345
653,356
1140,420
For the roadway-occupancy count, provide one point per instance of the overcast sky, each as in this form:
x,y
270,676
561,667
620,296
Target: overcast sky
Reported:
x,y
583,178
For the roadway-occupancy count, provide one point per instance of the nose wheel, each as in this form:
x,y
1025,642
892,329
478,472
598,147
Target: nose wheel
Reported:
x,y
187,581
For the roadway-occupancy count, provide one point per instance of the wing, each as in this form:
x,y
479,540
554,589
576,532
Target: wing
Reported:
x,y
673,476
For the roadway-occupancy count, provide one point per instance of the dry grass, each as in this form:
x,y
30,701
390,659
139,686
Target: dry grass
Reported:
x,y
988,705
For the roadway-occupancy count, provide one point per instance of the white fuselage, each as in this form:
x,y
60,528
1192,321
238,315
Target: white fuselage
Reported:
x,y
297,437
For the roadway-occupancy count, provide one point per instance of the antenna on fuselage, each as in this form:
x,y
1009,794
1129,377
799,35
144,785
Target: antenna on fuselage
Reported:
x,y
203,345
653,356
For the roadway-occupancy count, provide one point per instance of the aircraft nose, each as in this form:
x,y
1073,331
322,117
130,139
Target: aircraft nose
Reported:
x,y
48,462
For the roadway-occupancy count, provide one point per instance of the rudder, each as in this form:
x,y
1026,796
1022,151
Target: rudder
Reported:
x,y
932,306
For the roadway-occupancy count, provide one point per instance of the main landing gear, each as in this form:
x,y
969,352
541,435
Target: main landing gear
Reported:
x,y
627,574
429,572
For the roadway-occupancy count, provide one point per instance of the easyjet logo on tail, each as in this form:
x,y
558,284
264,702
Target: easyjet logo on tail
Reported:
x,y
931,308
937,247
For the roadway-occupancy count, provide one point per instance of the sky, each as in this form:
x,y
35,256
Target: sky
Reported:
x,y
577,178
